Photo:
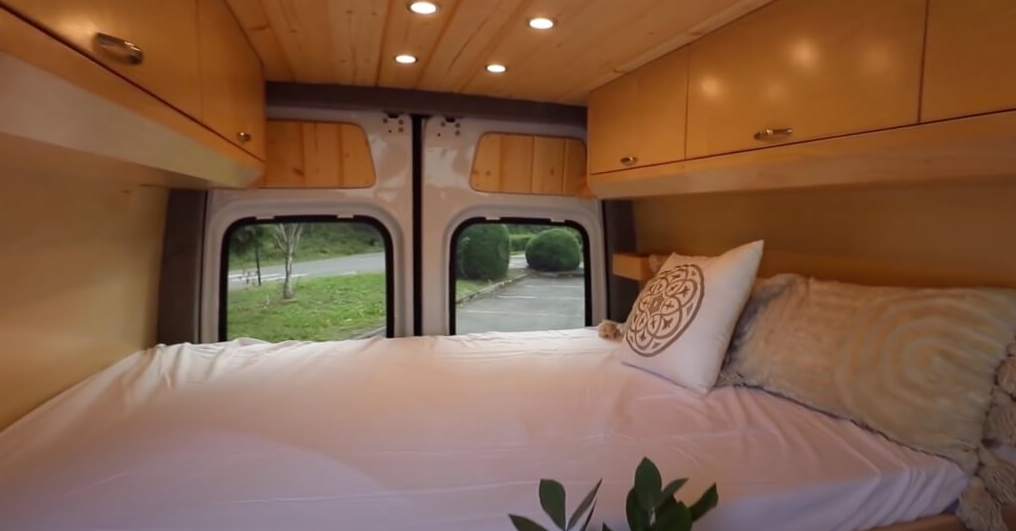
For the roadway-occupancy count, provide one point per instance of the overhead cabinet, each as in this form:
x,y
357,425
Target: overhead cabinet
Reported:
x,y
160,92
969,63
232,83
153,43
805,69
805,93
639,119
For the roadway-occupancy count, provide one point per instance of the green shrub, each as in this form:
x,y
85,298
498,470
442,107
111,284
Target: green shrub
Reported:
x,y
554,250
482,252
519,242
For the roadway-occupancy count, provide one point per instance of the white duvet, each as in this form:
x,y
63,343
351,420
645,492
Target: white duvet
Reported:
x,y
438,433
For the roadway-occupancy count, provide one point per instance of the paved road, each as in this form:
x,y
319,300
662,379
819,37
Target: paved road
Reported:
x,y
534,303
329,267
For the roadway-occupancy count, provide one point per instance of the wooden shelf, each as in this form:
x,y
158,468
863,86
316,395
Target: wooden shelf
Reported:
x,y
631,265
962,149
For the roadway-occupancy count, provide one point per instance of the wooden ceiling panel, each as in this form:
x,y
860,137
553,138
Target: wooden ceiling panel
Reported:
x,y
261,35
354,42
471,34
409,33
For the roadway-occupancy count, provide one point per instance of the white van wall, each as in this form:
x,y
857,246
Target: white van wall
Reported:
x,y
449,200
389,201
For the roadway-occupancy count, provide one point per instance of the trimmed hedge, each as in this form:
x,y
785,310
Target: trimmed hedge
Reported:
x,y
519,242
482,252
554,250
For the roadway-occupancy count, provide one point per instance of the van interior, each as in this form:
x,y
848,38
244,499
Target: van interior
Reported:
x,y
508,264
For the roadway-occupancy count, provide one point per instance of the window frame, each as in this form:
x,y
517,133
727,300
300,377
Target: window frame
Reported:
x,y
376,224
466,223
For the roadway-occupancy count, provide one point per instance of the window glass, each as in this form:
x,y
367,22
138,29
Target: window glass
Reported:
x,y
305,279
511,276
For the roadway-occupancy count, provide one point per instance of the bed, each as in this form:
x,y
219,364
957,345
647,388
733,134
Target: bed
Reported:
x,y
434,433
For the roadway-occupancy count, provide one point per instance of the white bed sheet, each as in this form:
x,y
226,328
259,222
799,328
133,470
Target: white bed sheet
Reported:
x,y
437,434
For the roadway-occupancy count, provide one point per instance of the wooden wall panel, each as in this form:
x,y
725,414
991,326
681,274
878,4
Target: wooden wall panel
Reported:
x,y
528,164
317,155
79,274
548,166
937,236
517,171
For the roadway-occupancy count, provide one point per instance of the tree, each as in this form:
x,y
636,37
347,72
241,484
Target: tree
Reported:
x,y
287,239
249,238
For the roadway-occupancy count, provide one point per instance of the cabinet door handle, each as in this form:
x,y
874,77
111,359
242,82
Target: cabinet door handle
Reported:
x,y
244,136
773,134
629,161
126,50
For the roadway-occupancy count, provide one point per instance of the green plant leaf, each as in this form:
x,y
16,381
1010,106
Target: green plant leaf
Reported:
x,y
586,502
671,489
648,484
638,518
522,523
709,499
673,516
552,500
588,517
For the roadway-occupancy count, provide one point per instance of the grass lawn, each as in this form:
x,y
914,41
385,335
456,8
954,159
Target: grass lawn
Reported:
x,y
324,309
237,262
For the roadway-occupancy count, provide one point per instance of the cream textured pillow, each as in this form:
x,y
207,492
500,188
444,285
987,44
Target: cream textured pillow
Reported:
x,y
681,323
919,366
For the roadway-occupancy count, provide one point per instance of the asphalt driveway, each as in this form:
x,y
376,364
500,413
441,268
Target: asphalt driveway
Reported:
x,y
533,303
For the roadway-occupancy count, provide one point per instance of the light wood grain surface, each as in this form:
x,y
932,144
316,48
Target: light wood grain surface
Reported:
x,y
79,273
529,164
232,84
354,41
639,119
973,149
939,236
820,67
62,98
165,31
317,155
969,60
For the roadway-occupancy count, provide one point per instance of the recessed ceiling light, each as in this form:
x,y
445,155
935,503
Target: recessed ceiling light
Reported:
x,y
405,59
496,68
423,8
541,23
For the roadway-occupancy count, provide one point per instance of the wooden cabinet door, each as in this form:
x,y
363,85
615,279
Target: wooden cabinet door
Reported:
x,y
805,69
639,118
969,60
165,32
232,85
610,124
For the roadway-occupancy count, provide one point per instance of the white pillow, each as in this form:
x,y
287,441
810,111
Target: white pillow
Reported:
x,y
682,321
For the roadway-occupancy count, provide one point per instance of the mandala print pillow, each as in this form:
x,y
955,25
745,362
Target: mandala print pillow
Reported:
x,y
682,321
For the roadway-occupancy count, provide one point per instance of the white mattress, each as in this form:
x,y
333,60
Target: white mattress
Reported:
x,y
437,434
